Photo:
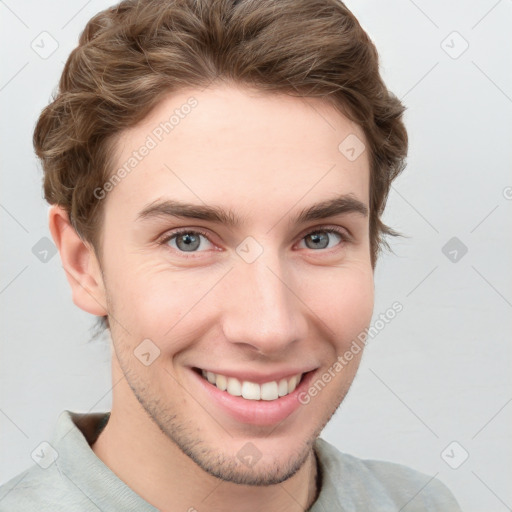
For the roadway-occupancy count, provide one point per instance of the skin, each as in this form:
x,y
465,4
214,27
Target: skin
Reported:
x,y
266,157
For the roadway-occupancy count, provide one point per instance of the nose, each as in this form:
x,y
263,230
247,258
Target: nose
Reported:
x,y
261,307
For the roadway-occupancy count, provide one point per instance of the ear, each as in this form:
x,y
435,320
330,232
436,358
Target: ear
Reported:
x,y
79,262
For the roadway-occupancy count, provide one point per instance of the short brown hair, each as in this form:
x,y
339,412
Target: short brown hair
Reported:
x,y
133,54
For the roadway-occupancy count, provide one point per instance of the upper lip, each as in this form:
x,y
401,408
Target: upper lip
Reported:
x,y
259,377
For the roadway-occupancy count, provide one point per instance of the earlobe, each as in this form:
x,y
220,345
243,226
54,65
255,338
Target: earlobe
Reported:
x,y
79,262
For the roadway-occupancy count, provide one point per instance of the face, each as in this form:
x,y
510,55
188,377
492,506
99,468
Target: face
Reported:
x,y
249,282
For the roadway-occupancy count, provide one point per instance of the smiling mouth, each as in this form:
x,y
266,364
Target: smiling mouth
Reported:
x,y
272,390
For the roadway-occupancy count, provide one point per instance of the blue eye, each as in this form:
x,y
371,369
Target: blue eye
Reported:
x,y
190,241
320,238
186,241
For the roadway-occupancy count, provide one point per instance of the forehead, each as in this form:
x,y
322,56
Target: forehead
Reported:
x,y
239,147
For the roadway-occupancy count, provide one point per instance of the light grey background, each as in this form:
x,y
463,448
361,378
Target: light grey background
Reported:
x,y
438,373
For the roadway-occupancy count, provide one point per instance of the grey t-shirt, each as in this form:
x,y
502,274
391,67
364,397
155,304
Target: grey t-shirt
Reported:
x,y
69,477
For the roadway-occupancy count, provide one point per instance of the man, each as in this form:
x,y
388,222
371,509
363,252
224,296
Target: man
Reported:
x,y
217,171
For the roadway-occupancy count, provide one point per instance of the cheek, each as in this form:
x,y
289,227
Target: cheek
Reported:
x,y
153,301
344,301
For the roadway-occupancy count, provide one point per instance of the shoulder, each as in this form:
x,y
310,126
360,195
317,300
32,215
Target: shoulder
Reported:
x,y
51,483
67,475
35,489
378,485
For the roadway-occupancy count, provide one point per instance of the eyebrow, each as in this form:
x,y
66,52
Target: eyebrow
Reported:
x,y
162,208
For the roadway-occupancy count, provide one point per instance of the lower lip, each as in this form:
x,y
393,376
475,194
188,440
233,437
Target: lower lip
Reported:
x,y
255,412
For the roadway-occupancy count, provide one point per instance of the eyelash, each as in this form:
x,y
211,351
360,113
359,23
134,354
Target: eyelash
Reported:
x,y
345,238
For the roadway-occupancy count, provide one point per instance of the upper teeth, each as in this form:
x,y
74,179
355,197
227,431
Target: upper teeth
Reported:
x,y
250,390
